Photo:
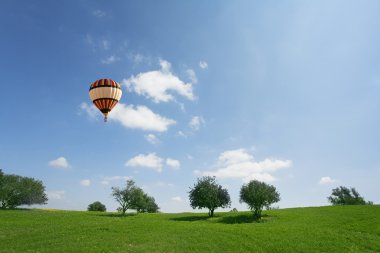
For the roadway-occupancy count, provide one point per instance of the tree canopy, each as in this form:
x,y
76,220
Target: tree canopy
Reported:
x,y
345,196
207,193
258,195
17,190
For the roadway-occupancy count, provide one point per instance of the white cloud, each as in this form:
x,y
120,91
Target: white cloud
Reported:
x,y
240,164
109,60
152,138
175,164
151,161
177,199
203,65
60,162
158,84
192,76
196,122
327,180
85,182
140,117
55,195
98,13
107,180
91,111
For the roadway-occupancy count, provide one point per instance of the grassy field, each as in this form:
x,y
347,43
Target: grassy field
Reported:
x,y
314,229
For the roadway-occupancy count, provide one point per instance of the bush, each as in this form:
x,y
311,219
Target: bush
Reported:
x,y
96,206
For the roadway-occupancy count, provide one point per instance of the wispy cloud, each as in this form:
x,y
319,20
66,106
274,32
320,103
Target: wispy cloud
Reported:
x,y
85,182
203,65
327,180
196,122
192,76
240,164
91,111
158,85
140,117
109,60
98,13
151,138
177,199
60,162
106,44
55,195
175,164
108,180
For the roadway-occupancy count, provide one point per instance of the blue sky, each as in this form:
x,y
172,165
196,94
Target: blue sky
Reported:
x,y
284,92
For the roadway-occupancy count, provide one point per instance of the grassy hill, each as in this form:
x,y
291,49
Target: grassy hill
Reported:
x,y
314,229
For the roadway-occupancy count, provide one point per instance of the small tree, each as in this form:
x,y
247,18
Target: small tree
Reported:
x,y
96,206
207,193
147,204
258,195
345,196
17,190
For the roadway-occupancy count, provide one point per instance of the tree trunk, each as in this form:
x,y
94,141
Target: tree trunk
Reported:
x,y
211,212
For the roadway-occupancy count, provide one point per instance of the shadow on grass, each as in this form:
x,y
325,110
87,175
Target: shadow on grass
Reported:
x,y
117,215
190,218
243,218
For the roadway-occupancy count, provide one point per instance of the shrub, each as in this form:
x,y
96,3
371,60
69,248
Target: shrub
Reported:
x,y
96,206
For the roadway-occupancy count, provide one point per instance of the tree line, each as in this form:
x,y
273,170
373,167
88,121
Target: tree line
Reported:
x,y
206,193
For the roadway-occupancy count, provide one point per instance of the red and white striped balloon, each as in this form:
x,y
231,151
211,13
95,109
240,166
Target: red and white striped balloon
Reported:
x,y
105,94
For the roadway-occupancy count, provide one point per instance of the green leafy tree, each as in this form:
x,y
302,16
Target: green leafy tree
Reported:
x,y
126,197
147,204
345,196
96,206
133,197
207,193
17,190
258,195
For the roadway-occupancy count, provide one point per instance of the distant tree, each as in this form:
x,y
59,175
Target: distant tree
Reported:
x,y
17,190
133,197
258,195
345,196
147,204
96,206
207,193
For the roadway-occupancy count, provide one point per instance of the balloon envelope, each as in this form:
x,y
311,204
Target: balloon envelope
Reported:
x,y
105,94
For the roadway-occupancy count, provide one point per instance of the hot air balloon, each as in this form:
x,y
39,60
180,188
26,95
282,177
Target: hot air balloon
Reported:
x,y
105,94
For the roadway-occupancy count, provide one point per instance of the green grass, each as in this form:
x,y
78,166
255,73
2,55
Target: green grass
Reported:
x,y
314,229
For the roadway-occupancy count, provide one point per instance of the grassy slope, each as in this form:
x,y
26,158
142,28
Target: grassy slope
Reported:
x,y
316,229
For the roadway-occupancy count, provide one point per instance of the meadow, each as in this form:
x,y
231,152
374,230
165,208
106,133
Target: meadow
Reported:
x,y
312,229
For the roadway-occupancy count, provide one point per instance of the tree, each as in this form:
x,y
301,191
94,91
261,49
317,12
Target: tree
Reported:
x,y
258,195
147,204
133,197
17,190
345,196
96,206
207,193
126,197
